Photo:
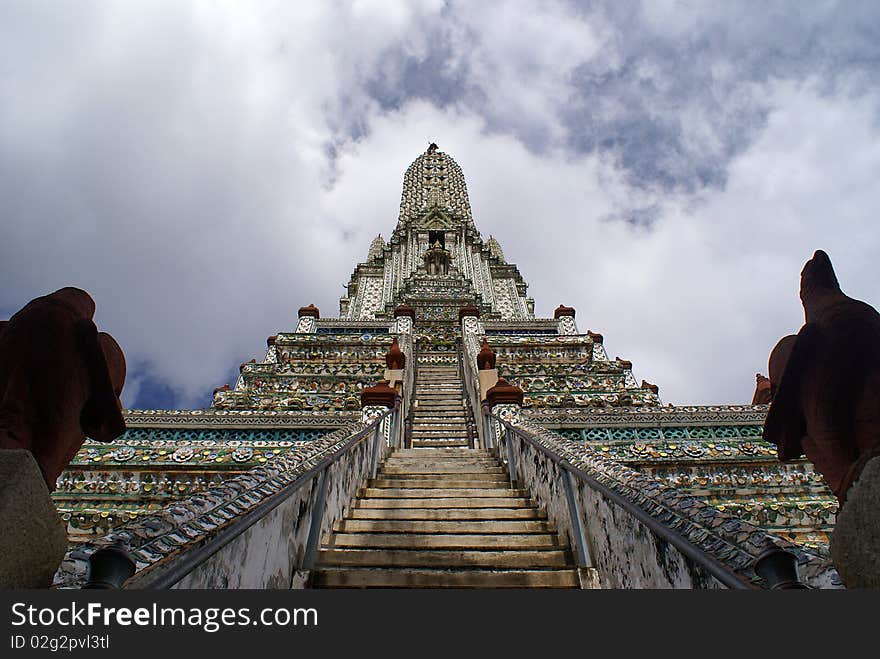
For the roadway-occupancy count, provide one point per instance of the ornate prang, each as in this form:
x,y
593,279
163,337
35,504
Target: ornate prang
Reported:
x,y
486,357
562,310
204,467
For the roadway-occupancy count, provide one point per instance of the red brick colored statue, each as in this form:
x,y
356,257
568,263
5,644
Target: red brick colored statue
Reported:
x,y
763,394
394,358
826,405
60,380
826,401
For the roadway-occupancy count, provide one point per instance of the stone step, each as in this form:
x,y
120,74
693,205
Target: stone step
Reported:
x,y
445,527
431,443
443,541
424,430
415,480
447,513
410,578
441,493
434,426
451,502
441,460
504,559
435,482
434,406
454,465
471,452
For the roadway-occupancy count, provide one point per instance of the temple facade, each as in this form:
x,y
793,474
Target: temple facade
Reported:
x,y
443,294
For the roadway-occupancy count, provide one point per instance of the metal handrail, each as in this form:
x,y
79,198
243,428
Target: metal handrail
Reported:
x,y
411,396
182,566
473,391
712,565
467,393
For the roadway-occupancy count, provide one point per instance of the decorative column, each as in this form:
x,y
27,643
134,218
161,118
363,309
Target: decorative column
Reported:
x,y
565,316
404,319
504,400
307,317
271,350
375,401
469,317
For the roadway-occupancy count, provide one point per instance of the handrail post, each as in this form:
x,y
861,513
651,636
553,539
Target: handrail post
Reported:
x,y
511,460
374,457
316,521
577,525
394,438
488,431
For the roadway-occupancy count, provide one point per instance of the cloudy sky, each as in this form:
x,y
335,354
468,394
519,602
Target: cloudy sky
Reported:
x,y
203,169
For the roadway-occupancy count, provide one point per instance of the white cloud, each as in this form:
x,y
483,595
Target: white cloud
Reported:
x,y
175,161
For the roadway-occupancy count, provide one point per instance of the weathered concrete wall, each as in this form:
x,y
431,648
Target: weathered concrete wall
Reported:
x,y
624,552
270,553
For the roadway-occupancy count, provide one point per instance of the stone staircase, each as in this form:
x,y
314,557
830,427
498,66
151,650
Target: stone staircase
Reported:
x,y
443,518
439,413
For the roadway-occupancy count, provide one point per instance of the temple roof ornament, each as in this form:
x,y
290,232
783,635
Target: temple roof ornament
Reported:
x,y
376,248
495,249
434,180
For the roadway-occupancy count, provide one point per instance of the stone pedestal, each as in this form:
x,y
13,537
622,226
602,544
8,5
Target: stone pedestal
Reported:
x,y
855,542
33,538
488,379
394,378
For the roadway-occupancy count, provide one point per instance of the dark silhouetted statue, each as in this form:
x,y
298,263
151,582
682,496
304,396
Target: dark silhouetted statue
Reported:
x,y
60,381
825,385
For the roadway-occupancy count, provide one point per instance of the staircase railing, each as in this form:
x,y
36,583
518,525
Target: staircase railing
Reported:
x,y
469,396
411,375
276,529
472,389
751,560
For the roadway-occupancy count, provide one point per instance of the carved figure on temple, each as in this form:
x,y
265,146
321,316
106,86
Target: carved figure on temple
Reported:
x,y
60,381
825,384
437,260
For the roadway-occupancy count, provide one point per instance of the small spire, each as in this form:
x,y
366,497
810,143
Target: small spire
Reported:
x,y
432,147
376,248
